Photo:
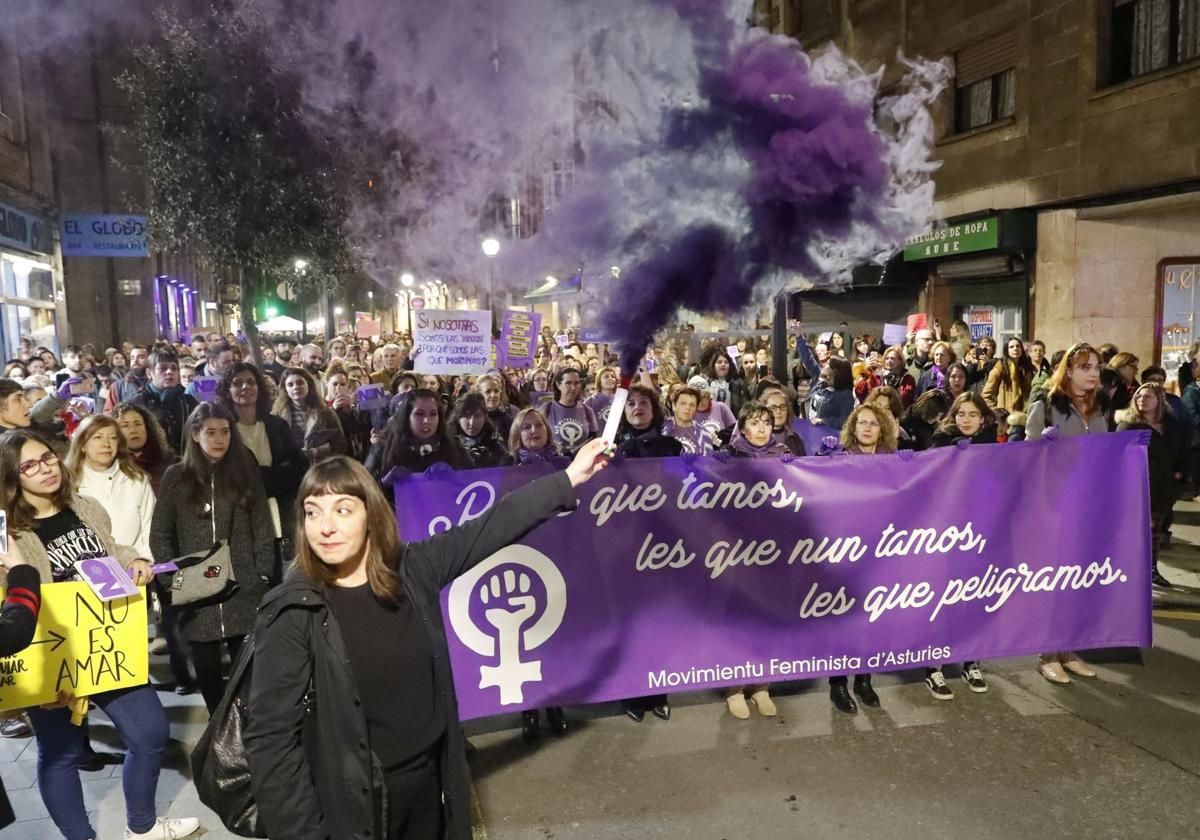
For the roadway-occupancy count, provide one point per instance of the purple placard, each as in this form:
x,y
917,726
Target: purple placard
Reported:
x,y
205,388
371,397
538,397
682,574
107,578
518,338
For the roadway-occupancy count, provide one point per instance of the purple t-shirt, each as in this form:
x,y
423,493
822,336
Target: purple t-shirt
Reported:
x,y
695,438
600,404
718,418
572,427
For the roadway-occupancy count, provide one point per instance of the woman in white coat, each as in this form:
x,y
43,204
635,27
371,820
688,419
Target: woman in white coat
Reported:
x,y
104,469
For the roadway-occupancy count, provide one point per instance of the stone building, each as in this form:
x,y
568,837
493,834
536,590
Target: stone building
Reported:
x,y
1069,193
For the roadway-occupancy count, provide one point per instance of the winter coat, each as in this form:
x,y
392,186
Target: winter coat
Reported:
x,y
129,502
170,408
484,451
92,514
920,433
1166,456
831,407
1060,413
177,530
952,436
651,443
297,638
1191,402
1010,396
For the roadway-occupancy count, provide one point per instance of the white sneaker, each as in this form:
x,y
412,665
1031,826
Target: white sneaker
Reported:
x,y
167,828
1079,668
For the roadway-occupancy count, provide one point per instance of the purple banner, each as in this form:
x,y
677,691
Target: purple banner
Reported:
x,y
518,338
688,573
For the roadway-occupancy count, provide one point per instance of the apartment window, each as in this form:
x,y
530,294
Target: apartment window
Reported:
x,y
985,82
1150,35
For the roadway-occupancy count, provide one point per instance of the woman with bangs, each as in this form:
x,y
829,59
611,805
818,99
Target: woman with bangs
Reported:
x,y
530,440
389,758
1167,459
500,412
417,437
1073,406
606,379
971,420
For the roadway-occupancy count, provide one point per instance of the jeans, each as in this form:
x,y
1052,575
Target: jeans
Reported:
x,y
210,673
142,723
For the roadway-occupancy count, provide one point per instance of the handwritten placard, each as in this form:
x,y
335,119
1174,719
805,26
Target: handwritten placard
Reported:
x,y
83,645
452,342
518,338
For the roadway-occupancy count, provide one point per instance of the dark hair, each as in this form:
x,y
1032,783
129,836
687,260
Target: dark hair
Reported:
x,y
395,444
283,403
684,391
74,349
1106,352
161,355
1153,370
966,376
1016,374
843,374
262,407
400,377
948,426
216,348
890,395
343,476
558,378
929,406
709,365
752,409
659,416
1057,357
8,387
20,512
470,403
157,450
236,473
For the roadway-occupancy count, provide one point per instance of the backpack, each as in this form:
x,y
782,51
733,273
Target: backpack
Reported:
x,y
220,769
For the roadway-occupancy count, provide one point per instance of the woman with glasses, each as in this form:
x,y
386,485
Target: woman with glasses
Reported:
x,y
54,528
216,494
776,399
868,431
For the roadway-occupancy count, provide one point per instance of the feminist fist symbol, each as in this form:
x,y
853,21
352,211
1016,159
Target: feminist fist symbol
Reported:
x,y
513,605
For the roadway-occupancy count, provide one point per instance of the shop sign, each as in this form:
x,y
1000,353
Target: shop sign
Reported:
x,y
105,235
24,232
982,322
952,240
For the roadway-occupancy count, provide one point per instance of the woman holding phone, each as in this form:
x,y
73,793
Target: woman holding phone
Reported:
x,y
54,528
386,727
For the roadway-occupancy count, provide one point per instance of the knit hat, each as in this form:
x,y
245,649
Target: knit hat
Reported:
x,y
700,383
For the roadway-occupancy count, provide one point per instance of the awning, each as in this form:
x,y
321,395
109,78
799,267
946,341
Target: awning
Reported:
x,y
280,323
553,288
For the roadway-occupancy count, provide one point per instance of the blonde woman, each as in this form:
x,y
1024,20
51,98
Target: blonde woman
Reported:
x,y
105,470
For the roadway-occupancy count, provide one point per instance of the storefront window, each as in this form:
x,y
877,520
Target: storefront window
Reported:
x,y
1177,313
37,323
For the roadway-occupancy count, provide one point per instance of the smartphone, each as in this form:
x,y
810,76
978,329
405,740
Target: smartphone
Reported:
x,y
3,532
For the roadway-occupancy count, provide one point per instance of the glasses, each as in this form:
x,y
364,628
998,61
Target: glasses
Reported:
x,y
32,468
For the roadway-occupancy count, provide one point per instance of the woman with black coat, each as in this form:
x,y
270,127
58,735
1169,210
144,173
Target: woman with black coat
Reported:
x,y
215,493
385,756
1168,456
969,420
245,394
476,436
416,437
921,419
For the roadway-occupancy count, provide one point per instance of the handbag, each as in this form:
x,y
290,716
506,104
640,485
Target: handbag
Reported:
x,y
220,769
206,577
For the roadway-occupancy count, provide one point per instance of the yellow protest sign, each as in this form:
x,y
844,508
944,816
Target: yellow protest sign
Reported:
x,y
82,646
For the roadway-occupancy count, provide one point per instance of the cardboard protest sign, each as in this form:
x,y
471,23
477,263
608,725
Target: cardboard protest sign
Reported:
x,y
366,326
518,338
82,646
539,397
452,342
894,334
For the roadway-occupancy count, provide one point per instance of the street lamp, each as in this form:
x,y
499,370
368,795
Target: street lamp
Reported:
x,y
302,269
407,279
491,247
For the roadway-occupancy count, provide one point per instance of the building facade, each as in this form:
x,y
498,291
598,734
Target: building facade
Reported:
x,y
1070,178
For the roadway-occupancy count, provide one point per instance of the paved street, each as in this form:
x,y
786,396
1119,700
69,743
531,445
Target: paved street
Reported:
x,y
1117,757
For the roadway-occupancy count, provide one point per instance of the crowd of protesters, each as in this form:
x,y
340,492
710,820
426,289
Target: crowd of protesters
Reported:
x,y
151,453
